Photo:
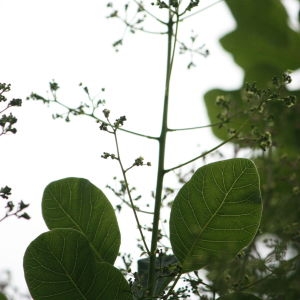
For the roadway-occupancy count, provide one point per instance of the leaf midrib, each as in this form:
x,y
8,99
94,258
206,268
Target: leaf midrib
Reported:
x,y
213,215
68,275
78,227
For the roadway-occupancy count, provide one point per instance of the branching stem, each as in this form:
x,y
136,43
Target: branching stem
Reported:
x,y
173,285
202,155
129,193
200,10
93,116
149,13
162,144
196,127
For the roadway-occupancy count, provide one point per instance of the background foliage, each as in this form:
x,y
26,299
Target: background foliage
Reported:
x,y
265,45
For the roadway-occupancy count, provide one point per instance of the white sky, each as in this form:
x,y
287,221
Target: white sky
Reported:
x,y
70,41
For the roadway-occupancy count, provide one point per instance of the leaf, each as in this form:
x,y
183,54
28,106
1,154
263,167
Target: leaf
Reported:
x,y
76,203
216,213
213,110
239,296
268,41
60,265
264,45
2,297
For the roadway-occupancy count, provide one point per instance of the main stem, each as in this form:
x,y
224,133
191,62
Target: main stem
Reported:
x,y
161,161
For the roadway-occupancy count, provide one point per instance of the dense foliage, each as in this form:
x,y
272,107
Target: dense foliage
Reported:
x,y
265,48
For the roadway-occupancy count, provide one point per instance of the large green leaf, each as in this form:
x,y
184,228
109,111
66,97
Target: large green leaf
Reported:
x,y
216,213
60,265
77,203
264,45
262,39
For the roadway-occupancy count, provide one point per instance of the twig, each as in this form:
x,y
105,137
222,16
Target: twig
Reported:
x,y
173,286
92,115
200,10
202,155
196,127
128,191
149,13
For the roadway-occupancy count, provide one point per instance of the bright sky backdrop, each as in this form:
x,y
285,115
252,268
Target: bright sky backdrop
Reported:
x,y
71,41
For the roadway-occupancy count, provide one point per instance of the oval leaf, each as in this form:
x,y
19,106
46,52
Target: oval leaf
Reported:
x,y
216,213
60,265
77,203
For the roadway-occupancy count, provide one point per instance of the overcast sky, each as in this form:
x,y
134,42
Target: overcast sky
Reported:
x,y
71,41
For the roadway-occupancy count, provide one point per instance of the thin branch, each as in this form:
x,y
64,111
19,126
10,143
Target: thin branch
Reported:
x,y
202,155
199,11
140,28
149,13
196,127
6,108
92,115
137,208
256,282
129,193
174,42
173,286
7,215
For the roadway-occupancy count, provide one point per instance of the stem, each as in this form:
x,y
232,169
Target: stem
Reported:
x,y
8,106
196,127
129,194
173,286
202,155
200,10
161,159
136,208
149,13
98,120
209,151
5,216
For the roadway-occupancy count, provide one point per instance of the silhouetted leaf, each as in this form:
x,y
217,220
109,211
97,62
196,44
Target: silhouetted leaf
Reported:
x,y
264,45
263,40
216,213
60,265
76,203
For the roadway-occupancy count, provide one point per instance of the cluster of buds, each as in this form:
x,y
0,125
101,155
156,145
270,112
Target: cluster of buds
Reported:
x,y
7,121
106,155
5,192
117,124
140,162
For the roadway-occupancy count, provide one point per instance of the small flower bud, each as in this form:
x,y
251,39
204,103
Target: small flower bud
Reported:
x,y
106,112
25,216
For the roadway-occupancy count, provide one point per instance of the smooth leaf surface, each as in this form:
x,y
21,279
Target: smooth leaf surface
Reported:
x,y
216,213
77,203
60,265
